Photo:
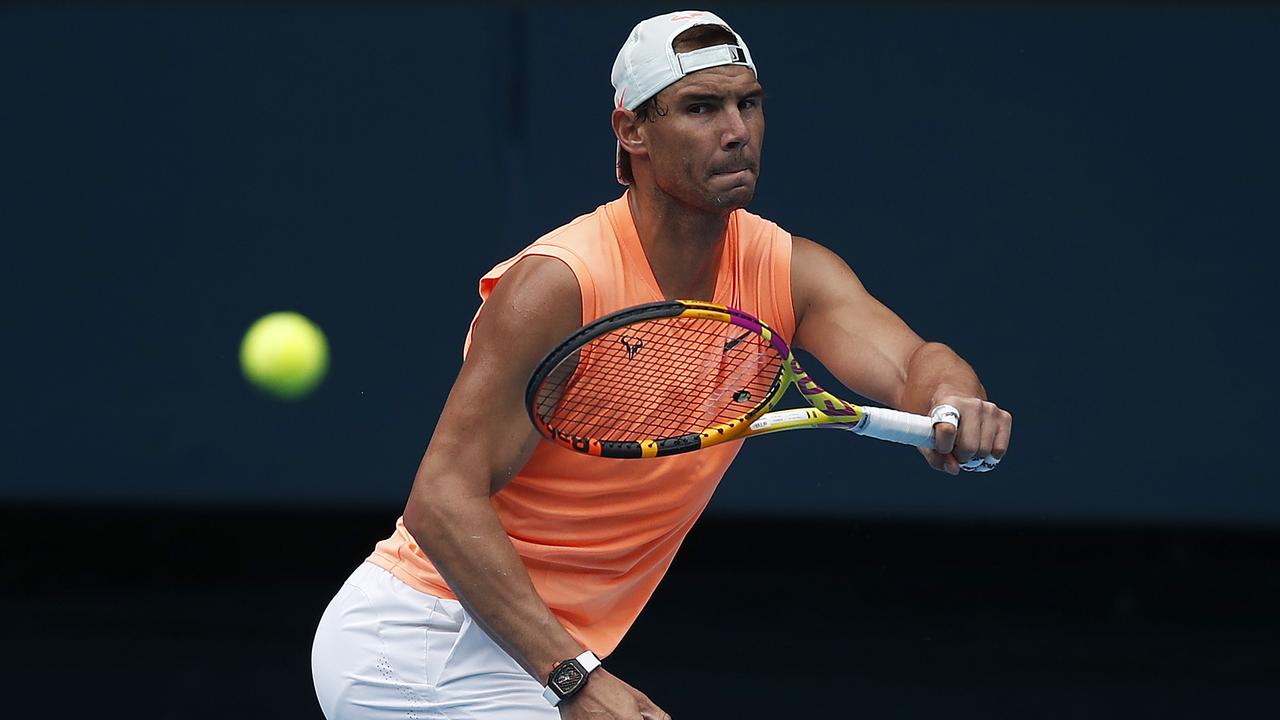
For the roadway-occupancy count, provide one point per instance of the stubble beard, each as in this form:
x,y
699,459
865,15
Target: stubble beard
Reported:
x,y
701,198
728,202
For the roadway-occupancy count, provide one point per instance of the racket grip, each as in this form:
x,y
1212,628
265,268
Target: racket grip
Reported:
x,y
896,426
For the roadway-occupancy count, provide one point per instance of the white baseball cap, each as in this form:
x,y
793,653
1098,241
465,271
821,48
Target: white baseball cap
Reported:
x,y
647,62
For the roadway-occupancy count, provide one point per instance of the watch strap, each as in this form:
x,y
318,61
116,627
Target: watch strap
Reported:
x,y
588,661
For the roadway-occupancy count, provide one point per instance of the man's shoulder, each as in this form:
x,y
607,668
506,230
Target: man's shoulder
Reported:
x,y
588,228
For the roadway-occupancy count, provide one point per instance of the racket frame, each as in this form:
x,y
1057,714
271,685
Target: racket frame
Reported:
x,y
826,409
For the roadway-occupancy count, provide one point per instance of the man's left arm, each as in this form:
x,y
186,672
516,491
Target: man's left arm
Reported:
x,y
874,353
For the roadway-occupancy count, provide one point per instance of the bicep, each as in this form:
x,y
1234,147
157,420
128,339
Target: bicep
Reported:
x,y
484,436
862,342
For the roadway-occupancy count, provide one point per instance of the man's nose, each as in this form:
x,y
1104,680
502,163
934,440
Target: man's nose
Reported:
x,y
735,133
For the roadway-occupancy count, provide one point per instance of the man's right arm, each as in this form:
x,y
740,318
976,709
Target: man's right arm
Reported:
x,y
482,440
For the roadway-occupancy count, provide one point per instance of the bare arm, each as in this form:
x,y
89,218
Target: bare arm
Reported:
x,y
482,440
873,352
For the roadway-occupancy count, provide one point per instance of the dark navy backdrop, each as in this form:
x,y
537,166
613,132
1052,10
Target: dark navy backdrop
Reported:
x,y
1081,200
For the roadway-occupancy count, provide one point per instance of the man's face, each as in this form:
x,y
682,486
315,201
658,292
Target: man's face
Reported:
x,y
705,152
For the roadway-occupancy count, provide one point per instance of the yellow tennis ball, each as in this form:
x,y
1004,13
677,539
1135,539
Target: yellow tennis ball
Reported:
x,y
285,354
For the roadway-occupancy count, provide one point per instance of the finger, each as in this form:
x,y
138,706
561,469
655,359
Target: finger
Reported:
x,y
990,426
944,437
942,463
934,458
1000,445
946,418
968,436
950,465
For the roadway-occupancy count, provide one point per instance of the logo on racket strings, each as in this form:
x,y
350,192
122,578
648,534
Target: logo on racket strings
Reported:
x,y
631,349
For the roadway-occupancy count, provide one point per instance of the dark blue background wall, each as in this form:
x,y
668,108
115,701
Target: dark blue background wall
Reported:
x,y
1081,200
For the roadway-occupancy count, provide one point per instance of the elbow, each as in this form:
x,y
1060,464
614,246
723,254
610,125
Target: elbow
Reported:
x,y
925,369
934,370
424,514
418,521
929,349
928,358
435,509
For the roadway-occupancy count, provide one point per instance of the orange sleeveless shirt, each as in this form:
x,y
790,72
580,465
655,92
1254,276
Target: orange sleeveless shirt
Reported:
x,y
598,534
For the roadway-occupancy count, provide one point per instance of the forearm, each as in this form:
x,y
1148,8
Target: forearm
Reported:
x,y
465,540
935,370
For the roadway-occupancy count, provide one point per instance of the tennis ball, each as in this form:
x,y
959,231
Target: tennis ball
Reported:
x,y
285,354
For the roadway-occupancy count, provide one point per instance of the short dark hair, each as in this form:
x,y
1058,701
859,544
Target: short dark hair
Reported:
x,y
695,38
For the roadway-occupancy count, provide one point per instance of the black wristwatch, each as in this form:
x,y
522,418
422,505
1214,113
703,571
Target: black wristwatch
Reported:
x,y
569,676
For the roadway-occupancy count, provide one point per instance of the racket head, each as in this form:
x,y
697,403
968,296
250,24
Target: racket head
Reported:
x,y
658,379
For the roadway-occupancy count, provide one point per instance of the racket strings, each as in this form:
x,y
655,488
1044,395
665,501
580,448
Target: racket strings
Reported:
x,y
659,378
643,393
624,410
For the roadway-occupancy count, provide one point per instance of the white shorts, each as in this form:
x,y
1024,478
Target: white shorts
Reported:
x,y
385,651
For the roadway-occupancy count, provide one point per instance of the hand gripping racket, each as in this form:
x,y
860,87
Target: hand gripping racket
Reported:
x,y
674,376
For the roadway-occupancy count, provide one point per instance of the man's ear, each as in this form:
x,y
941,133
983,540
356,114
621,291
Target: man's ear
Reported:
x,y
626,126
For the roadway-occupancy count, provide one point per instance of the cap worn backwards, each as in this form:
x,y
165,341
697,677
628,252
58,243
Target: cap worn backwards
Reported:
x,y
648,61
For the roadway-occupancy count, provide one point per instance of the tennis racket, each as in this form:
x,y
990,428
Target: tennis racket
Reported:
x,y
675,376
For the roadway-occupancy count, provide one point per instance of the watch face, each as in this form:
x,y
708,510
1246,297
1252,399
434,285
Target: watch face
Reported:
x,y
568,678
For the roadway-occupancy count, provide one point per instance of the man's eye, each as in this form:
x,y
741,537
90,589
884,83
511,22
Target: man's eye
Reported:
x,y
699,108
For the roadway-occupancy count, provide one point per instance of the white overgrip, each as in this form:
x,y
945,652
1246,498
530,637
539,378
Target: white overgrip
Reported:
x,y
896,426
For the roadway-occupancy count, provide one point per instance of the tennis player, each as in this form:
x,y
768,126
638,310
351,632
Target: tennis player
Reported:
x,y
518,566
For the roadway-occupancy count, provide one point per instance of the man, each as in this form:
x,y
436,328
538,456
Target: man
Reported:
x,y
517,565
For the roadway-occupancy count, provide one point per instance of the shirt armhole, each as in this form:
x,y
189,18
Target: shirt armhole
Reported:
x,y
781,285
586,286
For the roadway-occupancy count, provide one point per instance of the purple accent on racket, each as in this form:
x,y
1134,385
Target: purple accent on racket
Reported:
x,y
746,322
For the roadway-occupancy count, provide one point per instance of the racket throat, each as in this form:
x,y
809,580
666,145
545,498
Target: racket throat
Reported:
x,y
802,418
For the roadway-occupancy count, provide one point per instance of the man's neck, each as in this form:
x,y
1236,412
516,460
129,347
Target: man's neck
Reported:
x,y
683,246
